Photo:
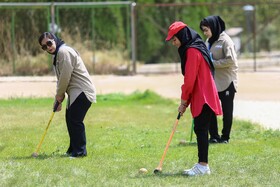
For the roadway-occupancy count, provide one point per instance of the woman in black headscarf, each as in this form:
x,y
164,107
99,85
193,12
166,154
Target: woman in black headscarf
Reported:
x,y
74,80
198,91
224,58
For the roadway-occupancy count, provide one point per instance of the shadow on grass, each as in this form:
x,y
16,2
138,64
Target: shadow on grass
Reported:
x,y
42,156
169,174
160,175
187,144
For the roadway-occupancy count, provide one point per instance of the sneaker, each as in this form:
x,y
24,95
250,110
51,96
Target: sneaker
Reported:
x,y
197,169
77,156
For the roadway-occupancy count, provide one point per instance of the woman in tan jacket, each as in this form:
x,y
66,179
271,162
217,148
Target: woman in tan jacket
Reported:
x,y
74,80
225,62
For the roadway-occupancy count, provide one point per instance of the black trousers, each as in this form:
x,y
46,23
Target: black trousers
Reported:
x,y
75,115
226,98
201,127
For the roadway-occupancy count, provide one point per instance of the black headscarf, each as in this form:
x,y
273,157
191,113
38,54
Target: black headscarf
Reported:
x,y
190,38
58,43
217,26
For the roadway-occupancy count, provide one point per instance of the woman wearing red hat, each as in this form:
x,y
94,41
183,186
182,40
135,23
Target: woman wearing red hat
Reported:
x,y
198,90
225,62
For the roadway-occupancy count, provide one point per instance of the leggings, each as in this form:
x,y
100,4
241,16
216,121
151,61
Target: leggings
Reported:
x,y
201,127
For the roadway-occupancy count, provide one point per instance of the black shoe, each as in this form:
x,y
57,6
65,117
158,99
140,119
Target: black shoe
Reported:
x,y
224,141
213,140
69,151
78,155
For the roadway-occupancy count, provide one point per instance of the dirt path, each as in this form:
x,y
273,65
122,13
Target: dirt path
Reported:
x,y
258,97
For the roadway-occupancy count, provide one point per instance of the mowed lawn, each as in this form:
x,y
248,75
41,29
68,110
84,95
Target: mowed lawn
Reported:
x,y
126,133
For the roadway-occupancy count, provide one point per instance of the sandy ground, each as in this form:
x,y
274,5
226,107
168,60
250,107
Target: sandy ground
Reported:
x,y
257,100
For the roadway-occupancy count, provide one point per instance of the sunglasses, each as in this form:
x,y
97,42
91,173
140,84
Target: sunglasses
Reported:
x,y
48,44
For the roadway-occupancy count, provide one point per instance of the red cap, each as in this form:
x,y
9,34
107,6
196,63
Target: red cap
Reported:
x,y
174,28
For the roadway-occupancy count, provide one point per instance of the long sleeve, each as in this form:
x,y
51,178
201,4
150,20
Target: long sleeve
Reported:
x,y
191,69
72,76
225,62
65,68
229,57
199,86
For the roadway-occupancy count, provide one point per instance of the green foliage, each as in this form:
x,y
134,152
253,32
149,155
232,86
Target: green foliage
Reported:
x,y
108,27
124,134
148,97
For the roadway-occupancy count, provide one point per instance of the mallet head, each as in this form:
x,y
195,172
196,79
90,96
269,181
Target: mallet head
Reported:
x,y
157,170
35,155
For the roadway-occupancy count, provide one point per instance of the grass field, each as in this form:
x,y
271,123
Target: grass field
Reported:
x,y
124,134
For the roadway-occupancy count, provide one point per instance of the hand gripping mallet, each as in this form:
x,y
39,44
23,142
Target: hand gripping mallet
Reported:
x,y
35,154
159,168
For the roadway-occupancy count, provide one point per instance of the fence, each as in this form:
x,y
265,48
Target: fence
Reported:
x,y
253,25
137,30
57,16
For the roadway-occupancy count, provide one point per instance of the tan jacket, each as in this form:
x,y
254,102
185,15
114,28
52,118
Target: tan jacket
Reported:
x,y
72,76
225,62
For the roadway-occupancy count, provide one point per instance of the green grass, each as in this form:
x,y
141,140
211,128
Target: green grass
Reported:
x,y
124,134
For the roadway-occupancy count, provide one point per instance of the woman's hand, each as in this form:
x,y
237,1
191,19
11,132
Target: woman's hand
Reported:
x,y
59,99
182,107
